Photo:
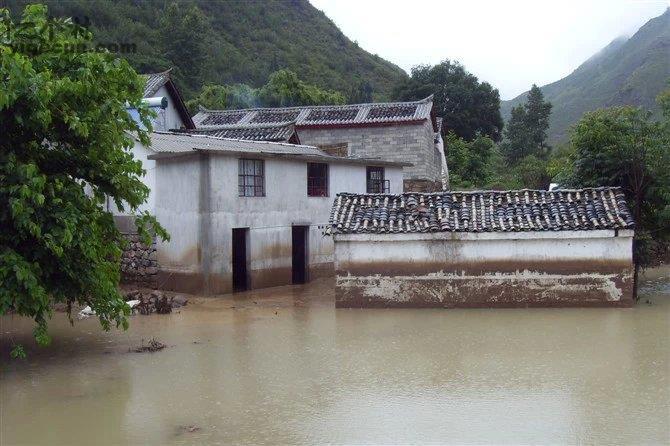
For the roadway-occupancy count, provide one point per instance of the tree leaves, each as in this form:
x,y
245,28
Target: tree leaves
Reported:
x,y
625,147
67,140
469,107
526,131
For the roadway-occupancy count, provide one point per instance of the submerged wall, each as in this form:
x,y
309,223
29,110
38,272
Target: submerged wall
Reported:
x,y
506,269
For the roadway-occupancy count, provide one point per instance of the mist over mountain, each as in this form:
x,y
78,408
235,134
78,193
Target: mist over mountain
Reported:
x,y
628,71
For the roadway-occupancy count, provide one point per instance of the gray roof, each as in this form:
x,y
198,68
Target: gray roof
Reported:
x,y
155,81
322,115
169,144
254,132
482,211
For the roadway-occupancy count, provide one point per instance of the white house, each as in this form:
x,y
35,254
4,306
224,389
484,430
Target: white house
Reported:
x,y
165,100
248,214
484,249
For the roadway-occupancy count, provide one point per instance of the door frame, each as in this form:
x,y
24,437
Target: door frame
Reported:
x,y
299,252
245,279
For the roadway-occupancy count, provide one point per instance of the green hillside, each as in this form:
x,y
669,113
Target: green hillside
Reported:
x,y
245,41
627,72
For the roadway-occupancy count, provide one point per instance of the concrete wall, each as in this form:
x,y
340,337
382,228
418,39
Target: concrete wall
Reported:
x,y
198,203
567,268
180,192
411,142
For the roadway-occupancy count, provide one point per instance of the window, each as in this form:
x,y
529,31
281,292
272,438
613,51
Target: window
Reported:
x,y
251,178
317,180
376,182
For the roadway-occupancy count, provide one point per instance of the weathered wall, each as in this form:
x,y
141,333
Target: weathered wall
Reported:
x,y
412,143
568,268
198,204
180,189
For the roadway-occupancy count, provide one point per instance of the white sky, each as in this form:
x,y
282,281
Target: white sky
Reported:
x,y
509,43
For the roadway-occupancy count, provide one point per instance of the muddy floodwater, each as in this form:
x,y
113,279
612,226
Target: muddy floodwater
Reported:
x,y
283,366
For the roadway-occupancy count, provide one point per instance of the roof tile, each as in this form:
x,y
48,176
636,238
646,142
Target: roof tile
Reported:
x,y
482,211
321,115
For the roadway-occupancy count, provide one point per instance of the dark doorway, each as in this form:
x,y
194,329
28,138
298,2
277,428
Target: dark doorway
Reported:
x,y
300,237
240,259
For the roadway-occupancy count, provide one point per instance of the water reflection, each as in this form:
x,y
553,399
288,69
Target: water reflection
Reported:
x,y
283,366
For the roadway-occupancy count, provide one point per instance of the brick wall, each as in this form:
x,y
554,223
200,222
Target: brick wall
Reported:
x,y
411,142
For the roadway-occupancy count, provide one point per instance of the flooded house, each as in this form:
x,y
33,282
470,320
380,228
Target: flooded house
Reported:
x,y
406,132
246,214
522,248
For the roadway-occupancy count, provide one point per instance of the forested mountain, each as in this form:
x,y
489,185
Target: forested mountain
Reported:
x,y
226,42
626,72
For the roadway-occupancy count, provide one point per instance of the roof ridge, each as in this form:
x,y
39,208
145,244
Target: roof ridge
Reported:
x,y
315,107
260,125
486,191
159,73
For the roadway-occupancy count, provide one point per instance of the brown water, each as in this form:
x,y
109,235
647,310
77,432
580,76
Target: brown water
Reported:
x,y
284,366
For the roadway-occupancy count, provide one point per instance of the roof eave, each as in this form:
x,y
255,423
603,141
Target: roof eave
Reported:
x,y
292,156
180,105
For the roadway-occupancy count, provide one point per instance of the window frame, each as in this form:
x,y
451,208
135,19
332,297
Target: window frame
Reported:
x,y
383,185
325,179
257,175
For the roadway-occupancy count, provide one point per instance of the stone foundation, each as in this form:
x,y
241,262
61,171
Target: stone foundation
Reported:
x,y
139,265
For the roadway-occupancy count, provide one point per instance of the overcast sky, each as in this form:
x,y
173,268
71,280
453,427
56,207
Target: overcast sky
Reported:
x,y
511,44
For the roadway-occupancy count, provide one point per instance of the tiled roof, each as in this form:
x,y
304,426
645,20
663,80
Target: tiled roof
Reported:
x,y
167,144
322,115
482,211
263,132
154,82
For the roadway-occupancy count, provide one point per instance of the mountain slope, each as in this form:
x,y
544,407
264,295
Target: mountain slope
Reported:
x,y
245,40
626,72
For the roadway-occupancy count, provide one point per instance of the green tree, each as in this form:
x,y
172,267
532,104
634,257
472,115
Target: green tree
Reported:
x,y
517,142
285,89
537,120
526,131
623,146
66,146
360,93
467,161
532,173
559,164
469,107
183,36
